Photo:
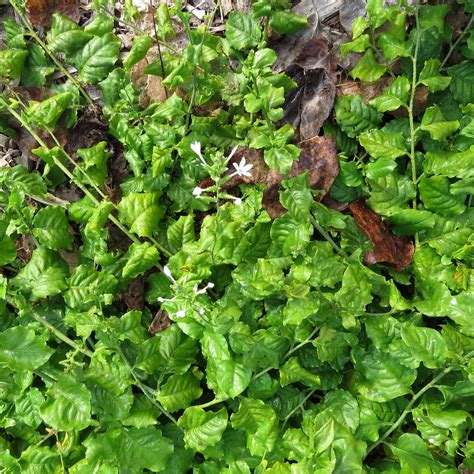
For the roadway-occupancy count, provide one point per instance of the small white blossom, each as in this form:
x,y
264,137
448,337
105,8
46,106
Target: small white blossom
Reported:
x,y
167,271
197,191
210,285
431,441
202,290
202,311
180,314
160,299
196,147
419,420
238,201
242,169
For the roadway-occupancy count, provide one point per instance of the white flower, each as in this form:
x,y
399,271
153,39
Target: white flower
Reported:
x,y
180,314
196,147
167,271
202,311
238,201
242,169
160,299
210,285
197,191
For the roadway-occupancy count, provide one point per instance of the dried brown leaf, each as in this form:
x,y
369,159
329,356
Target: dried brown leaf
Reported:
x,y
388,248
160,322
40,11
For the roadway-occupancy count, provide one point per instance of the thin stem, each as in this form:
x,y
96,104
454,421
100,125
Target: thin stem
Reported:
x,y
215,401
455,44
51,55
60,335
145,389
415,397
305,399
328,237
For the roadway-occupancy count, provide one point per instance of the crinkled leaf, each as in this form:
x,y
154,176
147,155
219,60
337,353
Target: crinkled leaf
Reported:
x,y
52,228
141,212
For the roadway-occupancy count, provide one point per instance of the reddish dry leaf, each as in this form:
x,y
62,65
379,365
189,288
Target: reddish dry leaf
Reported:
x,y
24,248
388,248
319,158
160,322
133,296
40,11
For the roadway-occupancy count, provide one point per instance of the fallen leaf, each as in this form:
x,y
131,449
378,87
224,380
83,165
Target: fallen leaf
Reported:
x,y
133,296
24,248
160,322
389,248
40,11
318,157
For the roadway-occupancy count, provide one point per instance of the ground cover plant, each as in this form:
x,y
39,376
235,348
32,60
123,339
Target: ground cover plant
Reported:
x,y
224,292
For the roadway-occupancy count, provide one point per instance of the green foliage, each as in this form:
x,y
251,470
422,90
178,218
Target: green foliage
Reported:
x,y
275,347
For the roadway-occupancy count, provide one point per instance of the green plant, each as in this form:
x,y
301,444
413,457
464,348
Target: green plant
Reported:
x,y
279,350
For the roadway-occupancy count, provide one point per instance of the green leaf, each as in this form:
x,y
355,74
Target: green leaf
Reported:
x,y
394,97
354,116
292,372
242,31
141,212
19,179
413,454
44,275
95,163
65,36
462,85
380,144
281,158
21,349
179,391
139,258
451,164
11,62
181,232
297,310
284,22
227,377
88,287
379,168
52,228
358,45
164,26
14,34
132,449
97,58
426,345
46,114
202,429
68,405
37,67
410,221
290,234
140,46
260,423
435,195
368,69
431,78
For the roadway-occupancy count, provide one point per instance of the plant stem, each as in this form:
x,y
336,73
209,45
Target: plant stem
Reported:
x,y
415,397
455,44
215,401
305,399
327,237
58,63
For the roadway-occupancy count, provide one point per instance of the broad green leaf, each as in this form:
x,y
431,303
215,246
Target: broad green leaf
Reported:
x,y
368,69
426,345
379,168
435,195
440,130
44,275
94,163
52,228
451,164
290,234
68,405
164,26
37,67
65,36
431,78
38,458
202,429
391,193
414,455
46,114
462,85
14,34
97,58
100,25
358,45
297,310
227,377
21,180
284,22
21,349
260,423
281,158
89,287
171,351
7,246
453,244
242,31
297,197
11,62
181,232
354,116
132,449
138,259
394,97
292,372
141,212
140,46
179,391
410,221
380,144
